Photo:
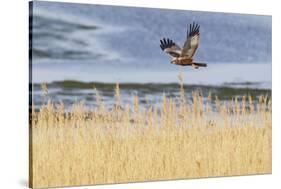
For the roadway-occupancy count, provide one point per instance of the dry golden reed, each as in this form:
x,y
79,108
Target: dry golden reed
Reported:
x,y
181,138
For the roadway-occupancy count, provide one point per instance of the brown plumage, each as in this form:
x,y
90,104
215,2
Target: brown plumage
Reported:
x,y
184,56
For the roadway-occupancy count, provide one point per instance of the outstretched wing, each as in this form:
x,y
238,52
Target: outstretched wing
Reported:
x,y
192,41
170,47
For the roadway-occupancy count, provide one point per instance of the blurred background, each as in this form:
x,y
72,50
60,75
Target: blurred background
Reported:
x,y
79,47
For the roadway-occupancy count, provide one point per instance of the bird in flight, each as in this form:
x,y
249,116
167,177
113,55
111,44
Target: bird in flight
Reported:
x,y
183,57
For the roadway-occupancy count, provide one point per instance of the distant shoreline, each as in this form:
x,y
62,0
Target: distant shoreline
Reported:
x,y
71,91
233,75
76,84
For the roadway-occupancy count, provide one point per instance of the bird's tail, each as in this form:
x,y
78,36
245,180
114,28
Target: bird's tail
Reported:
x,y
199,64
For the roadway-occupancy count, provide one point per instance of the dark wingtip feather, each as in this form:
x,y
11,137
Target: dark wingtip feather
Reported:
x,y
166,43
193,29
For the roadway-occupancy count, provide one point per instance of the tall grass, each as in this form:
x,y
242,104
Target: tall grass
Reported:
x,y
182,138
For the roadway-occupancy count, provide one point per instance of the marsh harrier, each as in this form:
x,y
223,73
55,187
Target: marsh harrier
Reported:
x,y
184,56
